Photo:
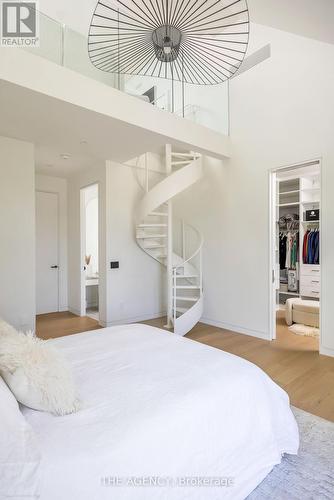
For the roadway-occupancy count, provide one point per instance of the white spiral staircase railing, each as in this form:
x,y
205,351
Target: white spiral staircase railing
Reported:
x,y
154,235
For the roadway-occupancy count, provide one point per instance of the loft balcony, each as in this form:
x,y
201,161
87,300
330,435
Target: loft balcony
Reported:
x,y
60,97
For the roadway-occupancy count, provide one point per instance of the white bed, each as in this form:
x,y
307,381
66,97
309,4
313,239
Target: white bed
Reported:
x,y
161,406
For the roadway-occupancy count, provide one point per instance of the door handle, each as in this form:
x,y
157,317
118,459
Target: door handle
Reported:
x,y
54,267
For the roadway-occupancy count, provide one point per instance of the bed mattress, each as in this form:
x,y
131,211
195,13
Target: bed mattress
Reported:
x,y
163,417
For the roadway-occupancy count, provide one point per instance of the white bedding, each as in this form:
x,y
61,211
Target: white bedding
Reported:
x,y
159,405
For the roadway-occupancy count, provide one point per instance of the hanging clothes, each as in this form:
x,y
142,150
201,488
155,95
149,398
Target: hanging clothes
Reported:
x,y
289,250
282,250
317,249
311,247
294,251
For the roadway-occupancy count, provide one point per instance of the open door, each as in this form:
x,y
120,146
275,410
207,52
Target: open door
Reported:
x,y
89,261
295,260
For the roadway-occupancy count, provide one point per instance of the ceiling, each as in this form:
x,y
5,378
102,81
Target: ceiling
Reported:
x,y
68,137
87,137
50,161
310,18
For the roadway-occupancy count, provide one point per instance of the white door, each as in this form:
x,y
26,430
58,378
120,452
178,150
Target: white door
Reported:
x,y
274,254
47,287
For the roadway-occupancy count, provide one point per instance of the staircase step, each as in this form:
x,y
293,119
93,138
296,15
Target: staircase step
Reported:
x,y
152,225
187,299
188,287
176,163
186,276
148,236
152,247
186,155
181,309
157,214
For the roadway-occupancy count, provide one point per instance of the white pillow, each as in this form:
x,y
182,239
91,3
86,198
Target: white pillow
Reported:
x,y
19,453
36,373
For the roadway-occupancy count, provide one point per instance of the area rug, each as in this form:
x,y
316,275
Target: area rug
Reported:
x,y
308,476
308,331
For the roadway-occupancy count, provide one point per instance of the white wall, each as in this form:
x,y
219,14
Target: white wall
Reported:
x,y
61,11
17,229
135,290
282,112
58,185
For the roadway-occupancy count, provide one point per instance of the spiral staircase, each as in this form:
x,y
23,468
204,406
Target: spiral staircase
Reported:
x,y
155,234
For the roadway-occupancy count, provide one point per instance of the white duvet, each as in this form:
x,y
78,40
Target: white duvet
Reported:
x,y
164,417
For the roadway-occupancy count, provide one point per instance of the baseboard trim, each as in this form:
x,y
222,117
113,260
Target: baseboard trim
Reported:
x,y
326,351
74,311
136,319
236,328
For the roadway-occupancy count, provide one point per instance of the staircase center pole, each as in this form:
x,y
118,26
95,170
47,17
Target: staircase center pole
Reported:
x,y
169,245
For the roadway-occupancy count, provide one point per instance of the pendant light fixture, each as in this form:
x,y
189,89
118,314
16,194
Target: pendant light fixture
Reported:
x,y
200,42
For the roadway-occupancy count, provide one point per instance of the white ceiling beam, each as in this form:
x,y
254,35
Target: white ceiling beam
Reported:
x,y
254,59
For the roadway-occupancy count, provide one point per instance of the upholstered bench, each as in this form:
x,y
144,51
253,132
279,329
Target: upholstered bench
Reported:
x,y
302,311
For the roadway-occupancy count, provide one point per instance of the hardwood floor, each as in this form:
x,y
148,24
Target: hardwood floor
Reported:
x,y
292,361
63,323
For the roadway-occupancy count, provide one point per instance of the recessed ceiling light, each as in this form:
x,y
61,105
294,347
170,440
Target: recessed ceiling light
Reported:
x,y
83,141
49,165
65,156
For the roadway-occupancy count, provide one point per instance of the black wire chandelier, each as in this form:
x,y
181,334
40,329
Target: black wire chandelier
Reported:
x,y
200,42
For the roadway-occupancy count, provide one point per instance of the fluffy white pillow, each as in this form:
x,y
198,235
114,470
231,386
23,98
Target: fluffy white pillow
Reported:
x,y
36,372
19,451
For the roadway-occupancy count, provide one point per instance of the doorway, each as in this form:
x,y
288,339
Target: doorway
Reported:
x,y
89,212
295,255
47,253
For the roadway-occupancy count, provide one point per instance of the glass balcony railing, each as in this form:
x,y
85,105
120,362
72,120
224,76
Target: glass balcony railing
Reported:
x,y
61,45
204,104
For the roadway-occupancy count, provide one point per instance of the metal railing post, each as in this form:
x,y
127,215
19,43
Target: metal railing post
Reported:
x,y
174,296
146,173
63,30
200,272
169,244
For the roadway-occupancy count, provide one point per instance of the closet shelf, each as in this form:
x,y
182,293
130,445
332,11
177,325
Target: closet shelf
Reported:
x,y
289,192
310,221
293,204
295,294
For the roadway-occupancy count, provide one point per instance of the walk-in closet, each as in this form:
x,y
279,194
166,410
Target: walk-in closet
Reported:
x,y
297,245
